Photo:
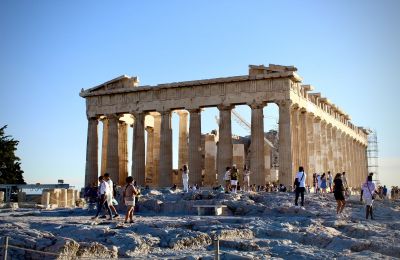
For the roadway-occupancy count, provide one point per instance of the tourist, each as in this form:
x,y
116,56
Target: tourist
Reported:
x,y
315,182
112,192
384,192
185,178
103,192
234,179
227,179
344,179
129,195
300,185
173,188
330,181
323,184
246,178
369,196
282,188
338,192
362,191
318,183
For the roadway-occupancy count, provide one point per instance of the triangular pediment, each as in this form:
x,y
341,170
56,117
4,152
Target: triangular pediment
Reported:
x,y
121,82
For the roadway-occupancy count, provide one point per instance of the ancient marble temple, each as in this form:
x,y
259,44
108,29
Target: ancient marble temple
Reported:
x,y
313,132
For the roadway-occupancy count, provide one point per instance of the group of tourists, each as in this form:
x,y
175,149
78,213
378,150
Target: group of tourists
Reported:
x,y
338,186
106,194
323,183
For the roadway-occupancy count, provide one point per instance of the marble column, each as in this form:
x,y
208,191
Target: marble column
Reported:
x,y
257,160
150,156
286,170
225,146
104,145
317,145
112,148
364,172
166,150
295,137
210,160
156,148
311,147
123,151
330,141
347,160
183,152
138,149
91,171
303,141
324,147
195,159
339,150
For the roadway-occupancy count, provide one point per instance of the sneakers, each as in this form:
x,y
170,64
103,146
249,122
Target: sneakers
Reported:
x,y
116,215
94,218
104,216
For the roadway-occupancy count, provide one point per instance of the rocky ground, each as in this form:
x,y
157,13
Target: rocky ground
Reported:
x,y
254,226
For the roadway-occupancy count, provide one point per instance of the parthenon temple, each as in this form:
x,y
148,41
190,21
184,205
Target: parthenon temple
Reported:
x,y
313,132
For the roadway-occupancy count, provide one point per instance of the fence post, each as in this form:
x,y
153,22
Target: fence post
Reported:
x,y
5,248
216,247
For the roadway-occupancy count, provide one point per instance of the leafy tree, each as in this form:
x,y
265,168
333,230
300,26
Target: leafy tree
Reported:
x,y
10,166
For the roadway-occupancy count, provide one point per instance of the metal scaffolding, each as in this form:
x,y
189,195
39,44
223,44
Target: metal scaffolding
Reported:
x,y
373,154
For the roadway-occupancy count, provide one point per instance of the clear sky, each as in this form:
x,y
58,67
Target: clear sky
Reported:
x,y
49,50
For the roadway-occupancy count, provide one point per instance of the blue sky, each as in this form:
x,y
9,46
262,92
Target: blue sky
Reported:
x,y
49,50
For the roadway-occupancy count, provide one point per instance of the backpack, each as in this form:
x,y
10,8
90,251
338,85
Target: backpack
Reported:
x,y
234,175
114,190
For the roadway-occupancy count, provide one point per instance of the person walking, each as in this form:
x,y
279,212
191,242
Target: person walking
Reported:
x,y
369,196
338,192
227,179
129,195
112,192
330,181
234,179
246,178
185,178
323,184
299,185
103,191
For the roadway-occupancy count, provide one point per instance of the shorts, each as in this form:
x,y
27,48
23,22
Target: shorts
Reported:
x,y
339,195
234,182
129,202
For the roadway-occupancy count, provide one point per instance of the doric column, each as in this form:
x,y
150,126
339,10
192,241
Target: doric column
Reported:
x,y
295,137
330,143
317,145
149,180
138,149
225,148
364,172
195,147
347,160
210,160
286,171
183,152
123,151
303,141
166,150
156,148
91,171
104,145
358,158
257,160
311,147
339,150
112,148
324,147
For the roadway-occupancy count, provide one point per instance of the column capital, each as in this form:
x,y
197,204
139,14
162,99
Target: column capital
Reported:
x,y
150,129
286,103
257,105
165,112
112,116
195,110
182,112
225,107
89,117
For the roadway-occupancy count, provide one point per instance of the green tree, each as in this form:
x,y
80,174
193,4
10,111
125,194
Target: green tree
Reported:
x,y
10,166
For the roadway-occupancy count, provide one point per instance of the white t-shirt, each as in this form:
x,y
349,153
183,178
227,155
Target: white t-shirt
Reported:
x,y
301,178
227,175
104,188
185,174
368,188
111,187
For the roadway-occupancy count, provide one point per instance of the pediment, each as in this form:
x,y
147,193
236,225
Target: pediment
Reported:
x,y
121,82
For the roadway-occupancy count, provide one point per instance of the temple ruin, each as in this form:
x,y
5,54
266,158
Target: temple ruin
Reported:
x,y
313,132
